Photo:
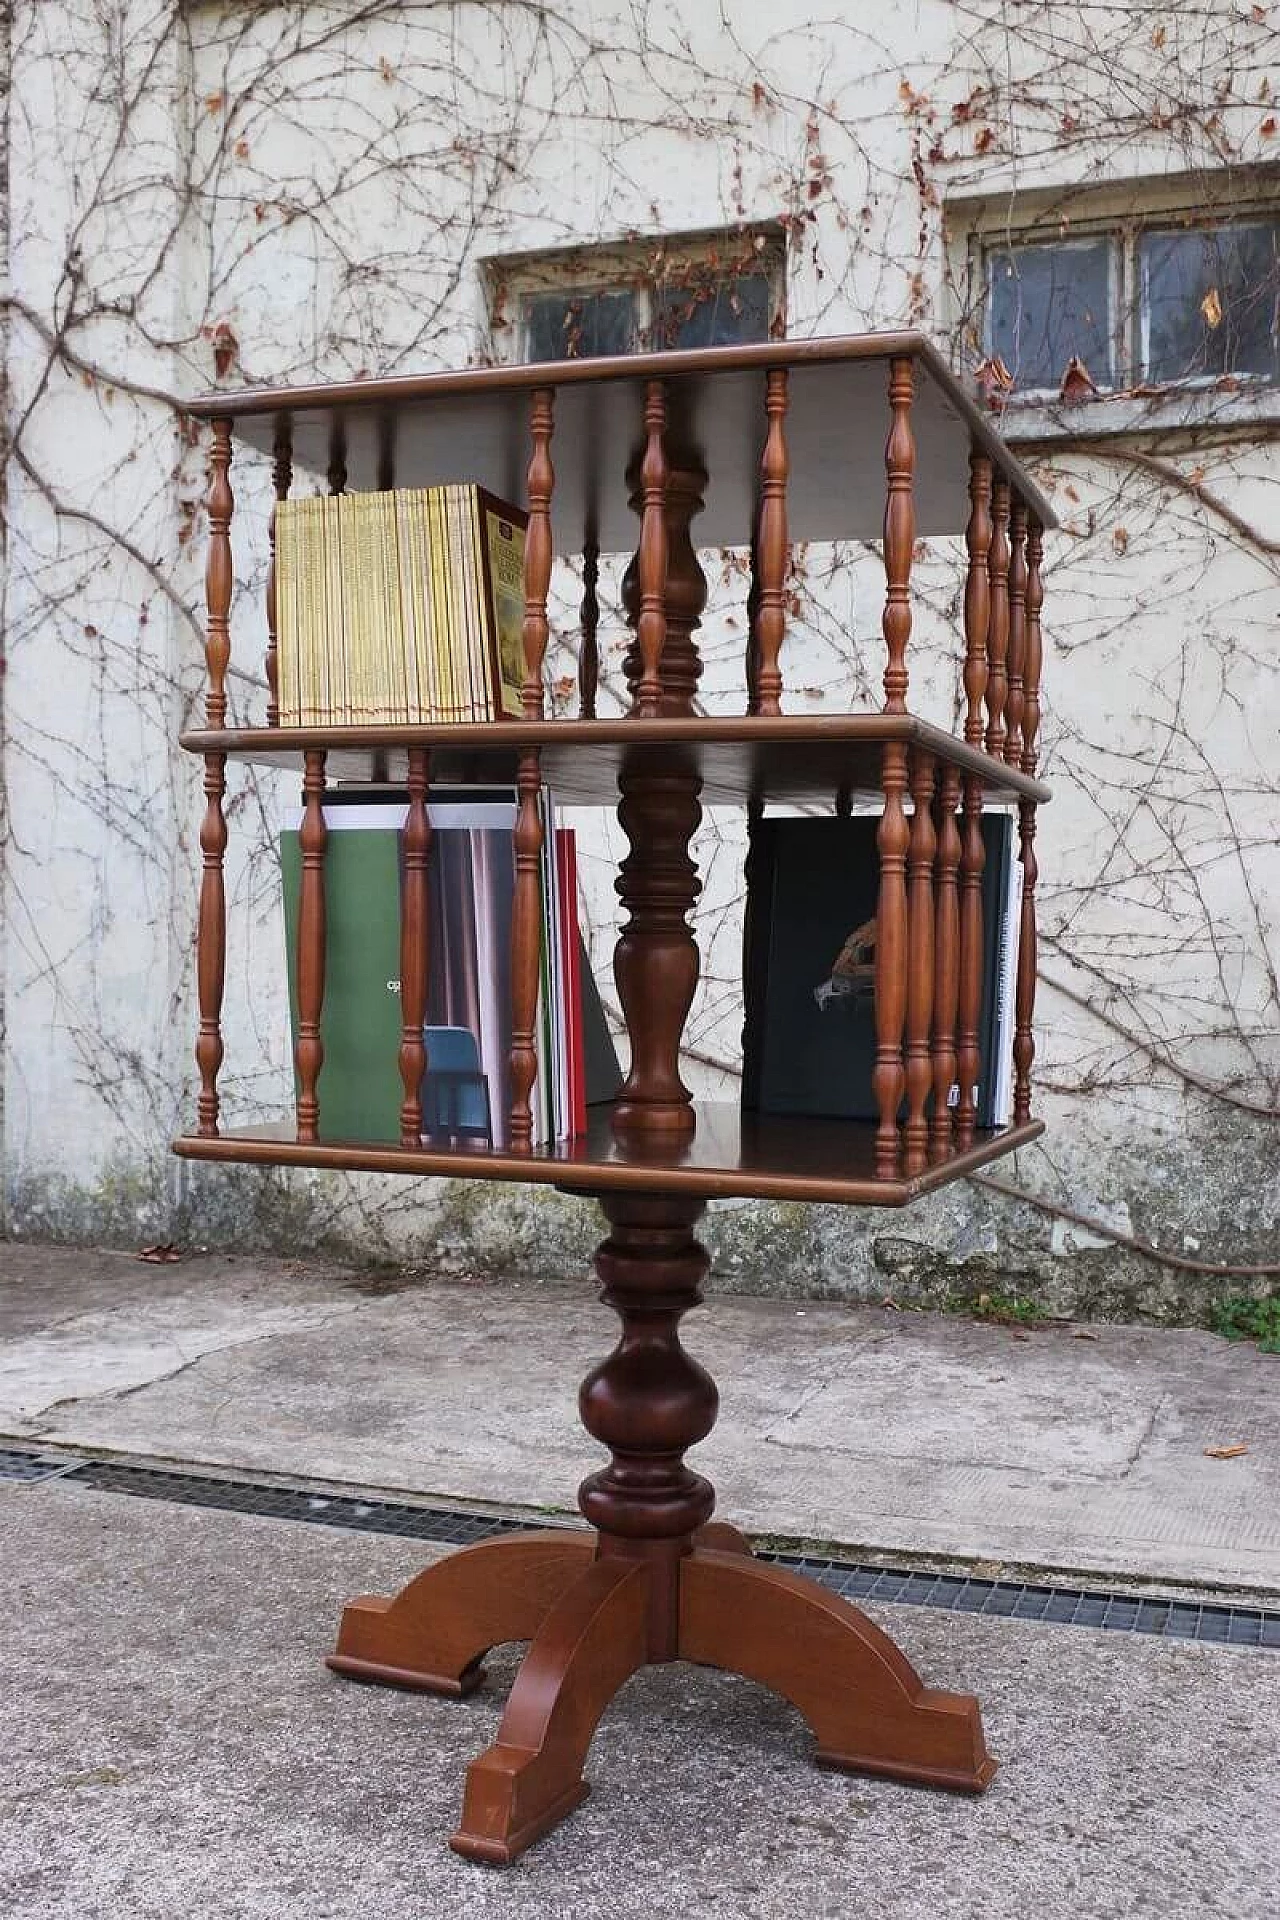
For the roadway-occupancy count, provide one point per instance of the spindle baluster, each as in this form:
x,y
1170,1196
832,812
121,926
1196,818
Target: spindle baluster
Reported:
x,y
589,623
211,944
771,549
651,558
977,594
922,849
211,925
946,962
281,477
892,838
414,947
893,835
526,937
1015,698
1024,1045
309,1051
538,548
218,575
998,619
899,533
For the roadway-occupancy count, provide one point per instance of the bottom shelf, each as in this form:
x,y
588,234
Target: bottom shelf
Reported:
x,y
731,1155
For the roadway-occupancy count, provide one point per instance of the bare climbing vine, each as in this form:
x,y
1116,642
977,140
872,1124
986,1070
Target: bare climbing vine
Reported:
x,y
256,192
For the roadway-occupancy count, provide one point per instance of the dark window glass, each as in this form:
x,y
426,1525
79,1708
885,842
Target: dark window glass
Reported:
x,y
712,313
1048,302
1208,302
579,326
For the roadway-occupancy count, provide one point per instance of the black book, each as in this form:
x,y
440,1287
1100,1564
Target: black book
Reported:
x,y
809,1042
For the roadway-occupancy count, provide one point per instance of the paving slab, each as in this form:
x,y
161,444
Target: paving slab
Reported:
x,y
173,1746
1074,1448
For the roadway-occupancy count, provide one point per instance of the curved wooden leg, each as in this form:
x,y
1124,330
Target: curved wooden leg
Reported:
x,y
531,1777
434,1633
861,1696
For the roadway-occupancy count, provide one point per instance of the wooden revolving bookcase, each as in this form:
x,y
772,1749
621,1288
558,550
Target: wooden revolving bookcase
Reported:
x,y
761,445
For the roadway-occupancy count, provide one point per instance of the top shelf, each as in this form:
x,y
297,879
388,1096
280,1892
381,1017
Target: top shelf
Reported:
x,y
439,427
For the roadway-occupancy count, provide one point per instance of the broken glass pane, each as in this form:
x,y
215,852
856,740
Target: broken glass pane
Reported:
x,y
579,326
1048,302
1208,302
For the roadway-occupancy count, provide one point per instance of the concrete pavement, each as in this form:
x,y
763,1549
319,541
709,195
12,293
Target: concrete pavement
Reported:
x,y
174,1747
1073,1448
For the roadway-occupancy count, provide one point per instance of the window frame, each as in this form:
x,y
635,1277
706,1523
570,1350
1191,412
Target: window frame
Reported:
x,y
637,265
979,225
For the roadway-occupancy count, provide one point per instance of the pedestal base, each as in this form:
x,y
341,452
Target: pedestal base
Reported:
x,y
656,1581
587,1609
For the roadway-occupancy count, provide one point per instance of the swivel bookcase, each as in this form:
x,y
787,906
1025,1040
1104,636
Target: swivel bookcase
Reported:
x,y
858,437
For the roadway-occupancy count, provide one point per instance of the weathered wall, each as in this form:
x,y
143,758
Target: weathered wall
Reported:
x,y
296,191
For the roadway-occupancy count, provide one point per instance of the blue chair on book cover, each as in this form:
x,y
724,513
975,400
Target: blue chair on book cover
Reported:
x,y
455,1093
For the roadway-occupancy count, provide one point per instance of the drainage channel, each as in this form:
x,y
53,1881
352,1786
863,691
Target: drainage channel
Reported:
x,y
1174,1619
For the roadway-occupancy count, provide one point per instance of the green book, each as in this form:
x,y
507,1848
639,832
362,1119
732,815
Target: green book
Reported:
x,y
466,1091
471,880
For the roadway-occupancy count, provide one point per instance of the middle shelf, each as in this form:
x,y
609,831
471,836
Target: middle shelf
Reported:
x,y
789,759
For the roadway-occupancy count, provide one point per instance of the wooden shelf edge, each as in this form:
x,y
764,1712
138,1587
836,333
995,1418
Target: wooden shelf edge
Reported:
x,y
268,743
591,1176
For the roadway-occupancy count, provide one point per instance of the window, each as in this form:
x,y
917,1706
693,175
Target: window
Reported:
x,y
705,291
1156,303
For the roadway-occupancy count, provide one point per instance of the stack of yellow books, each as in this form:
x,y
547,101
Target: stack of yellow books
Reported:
x,y
399,607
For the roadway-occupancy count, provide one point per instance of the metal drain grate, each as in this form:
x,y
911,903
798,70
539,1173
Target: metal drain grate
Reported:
x,y
447,1525
912,1587
17,1465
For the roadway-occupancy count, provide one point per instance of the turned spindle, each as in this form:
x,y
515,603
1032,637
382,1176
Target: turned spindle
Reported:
x,y
218,575
998,619
918,1058
770,552
977,594
899,533
1024,1047
646,1498
684,600
538,548
588,627
281,477
651,557
892,839
309,1051
655,962
211,925
946,962
526,938
414,949
211,944
1015,698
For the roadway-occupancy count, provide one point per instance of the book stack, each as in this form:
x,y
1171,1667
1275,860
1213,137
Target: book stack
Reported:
x,y
466,1089
809,1041
399,607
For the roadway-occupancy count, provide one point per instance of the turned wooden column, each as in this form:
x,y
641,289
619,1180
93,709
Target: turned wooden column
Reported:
x,y
656,959
648,1402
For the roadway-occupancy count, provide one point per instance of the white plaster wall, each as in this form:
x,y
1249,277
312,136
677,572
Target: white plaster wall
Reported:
x,y
324,184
